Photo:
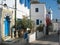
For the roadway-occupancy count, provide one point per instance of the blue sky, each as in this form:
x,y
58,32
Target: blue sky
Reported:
x,y
54,6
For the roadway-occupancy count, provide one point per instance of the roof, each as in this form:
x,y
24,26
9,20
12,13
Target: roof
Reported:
x,y
35,2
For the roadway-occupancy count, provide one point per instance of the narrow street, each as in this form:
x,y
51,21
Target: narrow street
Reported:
x,y
52,39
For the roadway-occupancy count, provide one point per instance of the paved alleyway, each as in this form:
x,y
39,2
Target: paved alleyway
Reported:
x,y
52,39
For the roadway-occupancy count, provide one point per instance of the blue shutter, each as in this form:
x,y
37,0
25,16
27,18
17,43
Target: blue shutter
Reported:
x,y
28,4
37,22
36,10
21,1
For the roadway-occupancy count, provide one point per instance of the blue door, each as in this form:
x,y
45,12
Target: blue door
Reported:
x,y
7,25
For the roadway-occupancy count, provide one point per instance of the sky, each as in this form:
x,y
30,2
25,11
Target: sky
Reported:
x,y
54,6
51,4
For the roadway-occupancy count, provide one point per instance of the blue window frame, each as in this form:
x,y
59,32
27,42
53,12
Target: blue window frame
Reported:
x,y
49,13
22,1
26,3
40,21
37,22
36,10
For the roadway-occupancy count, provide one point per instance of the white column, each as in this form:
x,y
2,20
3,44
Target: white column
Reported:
x,y
17,34
13,33
44,30
51,13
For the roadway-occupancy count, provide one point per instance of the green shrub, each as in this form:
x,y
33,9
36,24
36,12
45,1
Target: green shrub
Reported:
x,y
40,27
24,23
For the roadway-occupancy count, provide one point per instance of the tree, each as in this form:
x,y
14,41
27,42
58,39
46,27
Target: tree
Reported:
x,y
25,23
40,27
58,1
48,23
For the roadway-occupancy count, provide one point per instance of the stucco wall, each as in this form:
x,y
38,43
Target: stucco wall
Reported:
x,y
32,37
41,15
55,26
39,34
21,10
59,26
6,12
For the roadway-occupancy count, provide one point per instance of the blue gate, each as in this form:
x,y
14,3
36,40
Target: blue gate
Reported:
x,y
7,25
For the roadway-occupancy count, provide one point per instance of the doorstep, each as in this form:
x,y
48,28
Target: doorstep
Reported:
x,y
10,41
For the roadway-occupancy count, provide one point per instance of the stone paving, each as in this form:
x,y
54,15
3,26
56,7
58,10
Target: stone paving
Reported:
x,y
52,39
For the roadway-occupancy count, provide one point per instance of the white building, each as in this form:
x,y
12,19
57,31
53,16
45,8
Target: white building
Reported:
x,y
7,9
7,18
38,13
22,9
22,6
56,24
50,13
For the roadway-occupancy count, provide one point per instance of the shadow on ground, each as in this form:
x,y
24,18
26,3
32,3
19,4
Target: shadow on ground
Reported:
x,y
52,38
27,44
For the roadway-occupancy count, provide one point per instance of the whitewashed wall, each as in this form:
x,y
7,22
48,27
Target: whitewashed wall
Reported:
x,y
59,26
21,10
51,13
39,34
38,15
55,26
32,37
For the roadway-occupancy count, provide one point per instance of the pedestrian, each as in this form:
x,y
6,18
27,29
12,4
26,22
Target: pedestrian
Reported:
x,y
26,37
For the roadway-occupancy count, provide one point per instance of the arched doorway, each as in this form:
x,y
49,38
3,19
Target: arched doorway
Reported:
x,y
7,26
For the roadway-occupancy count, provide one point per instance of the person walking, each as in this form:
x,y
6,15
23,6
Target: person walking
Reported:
x,y
26,37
